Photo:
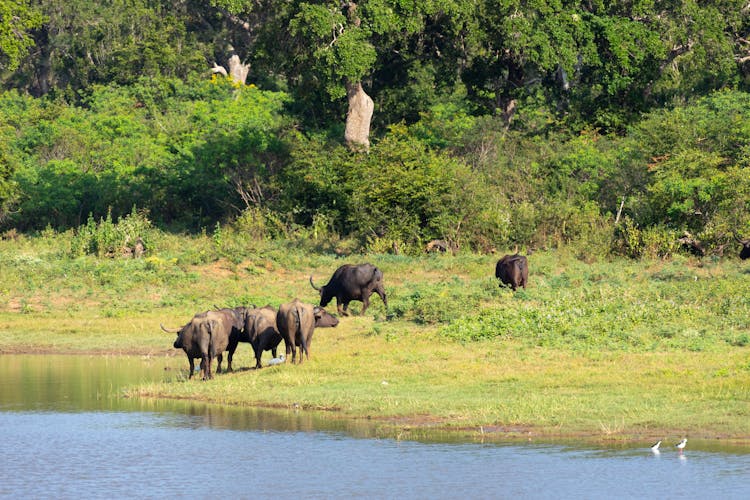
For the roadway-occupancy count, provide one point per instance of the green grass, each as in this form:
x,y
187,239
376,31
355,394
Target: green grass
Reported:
x,y
616,349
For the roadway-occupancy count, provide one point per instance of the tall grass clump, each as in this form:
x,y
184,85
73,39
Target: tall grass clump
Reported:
x,y
106,238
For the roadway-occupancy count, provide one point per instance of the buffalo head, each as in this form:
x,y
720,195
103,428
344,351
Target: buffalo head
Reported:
x,y
324,319
178,341
325,295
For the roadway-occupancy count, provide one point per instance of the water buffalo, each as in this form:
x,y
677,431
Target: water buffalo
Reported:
x,y
205,337
325,320
745,252
352,282
260,330
296,322
512,270
235,318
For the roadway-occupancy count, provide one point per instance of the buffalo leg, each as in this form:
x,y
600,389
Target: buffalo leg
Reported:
x,y
341,308
258,351
289,350
206,364
219,359
365,304
192,367
231,349
303,348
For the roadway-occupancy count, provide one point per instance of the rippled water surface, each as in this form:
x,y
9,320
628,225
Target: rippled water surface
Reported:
x,y
66,433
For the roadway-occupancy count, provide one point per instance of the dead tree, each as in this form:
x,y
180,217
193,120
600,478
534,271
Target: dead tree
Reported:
x,y
361,106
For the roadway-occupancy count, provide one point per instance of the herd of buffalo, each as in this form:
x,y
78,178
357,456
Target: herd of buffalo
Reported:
x,y
207,335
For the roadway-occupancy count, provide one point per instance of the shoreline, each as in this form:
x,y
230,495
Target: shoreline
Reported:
x,y
400,427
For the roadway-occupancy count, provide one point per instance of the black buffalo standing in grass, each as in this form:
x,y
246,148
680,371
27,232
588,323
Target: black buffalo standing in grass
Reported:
x,y
352,282
745,252
205,337
296,322
513,270
260,330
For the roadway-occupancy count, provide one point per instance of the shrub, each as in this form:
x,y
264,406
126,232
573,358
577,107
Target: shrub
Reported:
x,y
105,238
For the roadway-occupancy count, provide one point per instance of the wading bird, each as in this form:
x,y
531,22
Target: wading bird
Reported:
x,y
681,445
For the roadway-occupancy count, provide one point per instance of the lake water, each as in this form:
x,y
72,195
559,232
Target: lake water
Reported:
x,y
68,433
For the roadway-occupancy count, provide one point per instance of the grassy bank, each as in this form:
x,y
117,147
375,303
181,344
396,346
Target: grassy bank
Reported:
x,y
612,349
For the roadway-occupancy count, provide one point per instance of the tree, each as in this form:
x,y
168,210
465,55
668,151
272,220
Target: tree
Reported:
x,y
402,53
601,62
82,43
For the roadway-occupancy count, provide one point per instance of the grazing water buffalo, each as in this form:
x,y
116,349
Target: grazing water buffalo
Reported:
x,y
745,252
296,322
205,337
512,270
260,330
352,282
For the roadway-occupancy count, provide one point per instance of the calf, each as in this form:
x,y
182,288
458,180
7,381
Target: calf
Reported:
x,y
745,252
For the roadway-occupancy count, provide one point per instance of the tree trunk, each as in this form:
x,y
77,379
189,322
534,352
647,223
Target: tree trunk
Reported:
x,y
357,133
237,70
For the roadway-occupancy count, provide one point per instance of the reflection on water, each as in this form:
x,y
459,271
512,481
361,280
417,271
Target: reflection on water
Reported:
x,y
67,433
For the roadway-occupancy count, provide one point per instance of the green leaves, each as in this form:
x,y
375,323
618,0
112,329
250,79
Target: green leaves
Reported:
x,y
17,19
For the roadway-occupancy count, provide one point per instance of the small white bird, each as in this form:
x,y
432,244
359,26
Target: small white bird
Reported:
x,y
655,447
681,445
276,361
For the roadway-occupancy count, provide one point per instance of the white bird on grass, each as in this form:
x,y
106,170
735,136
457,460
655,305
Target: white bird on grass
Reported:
x,y
681,445
276,361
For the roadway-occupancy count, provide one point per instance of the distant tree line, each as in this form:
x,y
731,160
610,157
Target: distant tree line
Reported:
x,y
619,124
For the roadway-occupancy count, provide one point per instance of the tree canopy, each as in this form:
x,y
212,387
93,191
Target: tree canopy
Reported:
x,y
495,120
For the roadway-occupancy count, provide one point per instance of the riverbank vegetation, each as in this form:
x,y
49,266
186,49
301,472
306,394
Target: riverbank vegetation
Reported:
x,y
608,141
609,348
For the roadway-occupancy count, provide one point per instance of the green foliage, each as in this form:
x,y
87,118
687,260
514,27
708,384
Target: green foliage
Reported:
x,y
441,302
17,19
407,193
668,306
184,151
84,43
9,192
497,124
698,172
108,239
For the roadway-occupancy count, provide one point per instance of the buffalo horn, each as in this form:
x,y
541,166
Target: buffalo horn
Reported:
x,y
313,284
177,330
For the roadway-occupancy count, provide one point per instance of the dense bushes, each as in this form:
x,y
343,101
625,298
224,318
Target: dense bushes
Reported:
x,y
194,155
